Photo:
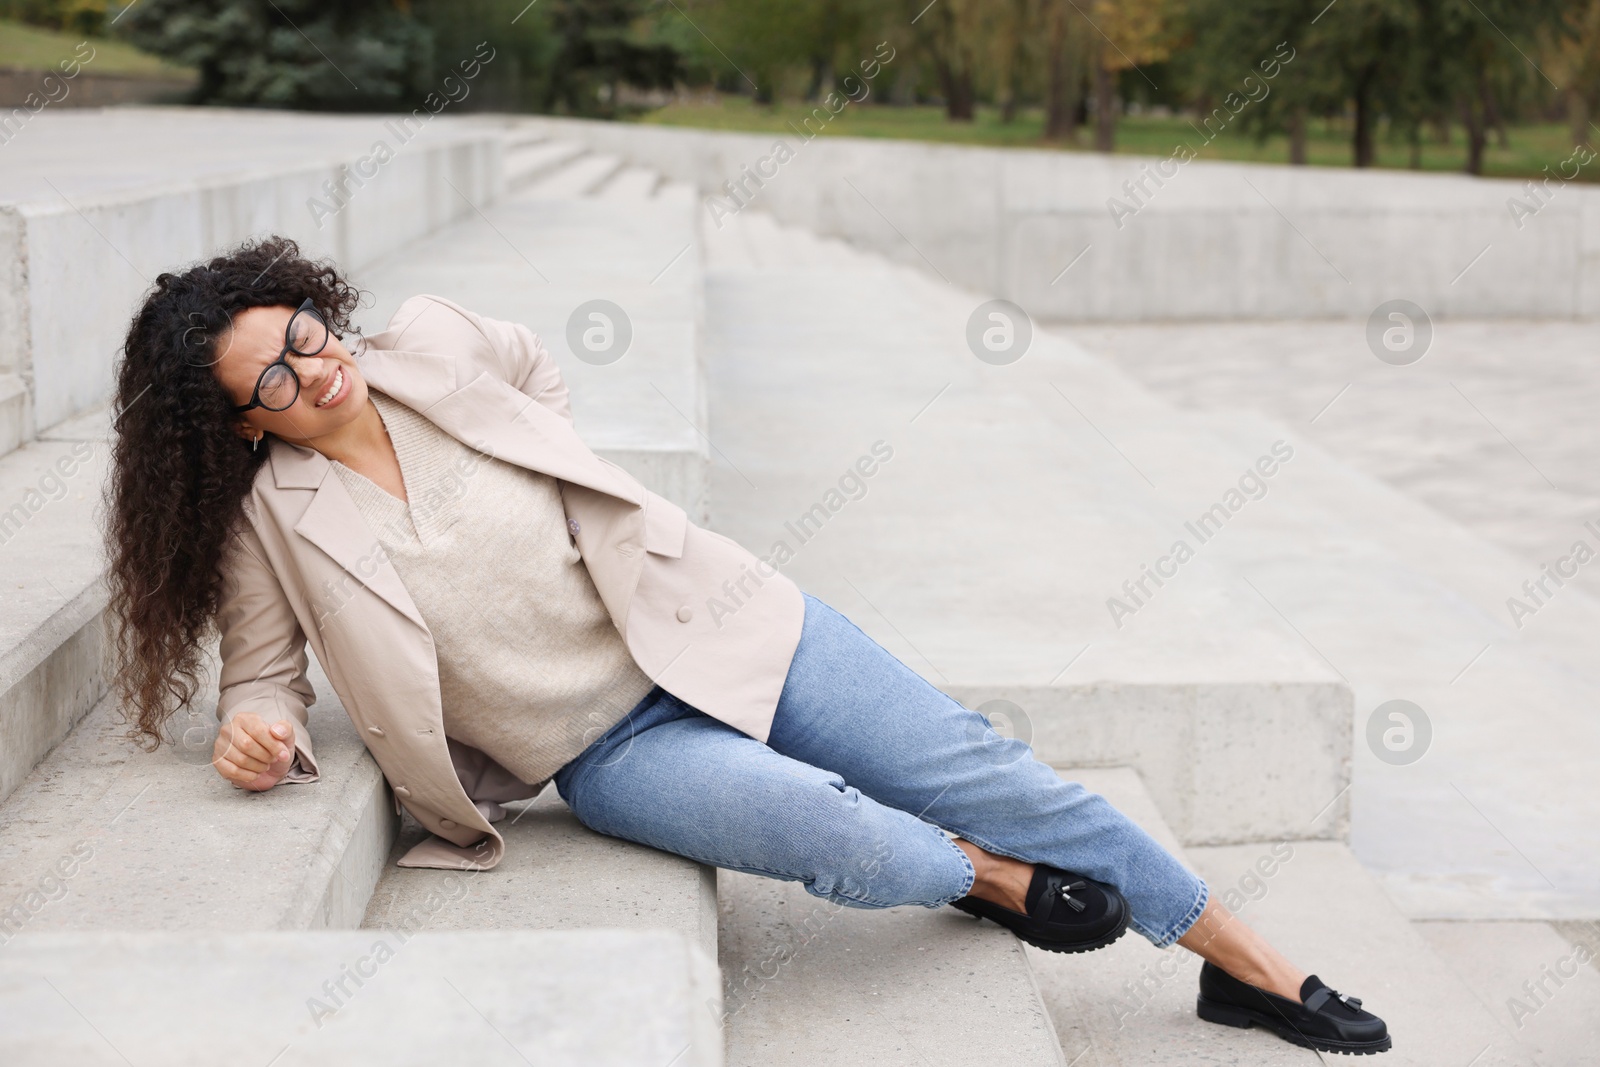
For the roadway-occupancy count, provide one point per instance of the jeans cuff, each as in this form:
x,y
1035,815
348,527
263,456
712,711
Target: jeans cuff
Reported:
x,y
1183,925
971,875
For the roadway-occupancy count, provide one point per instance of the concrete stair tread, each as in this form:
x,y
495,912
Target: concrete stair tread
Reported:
x,y
839,358
489,998
537,262
1134,1004
296,857
578,177
1538,985
630,184
528,162
52,559
556,875
808,982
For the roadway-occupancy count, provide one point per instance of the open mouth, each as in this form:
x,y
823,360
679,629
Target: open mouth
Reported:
x,y
335,389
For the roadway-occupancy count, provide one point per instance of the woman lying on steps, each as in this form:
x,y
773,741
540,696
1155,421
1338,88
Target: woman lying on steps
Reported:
x,y
497,608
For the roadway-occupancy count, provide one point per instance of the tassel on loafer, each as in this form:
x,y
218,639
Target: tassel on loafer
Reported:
x,y
1326,1020
1066,912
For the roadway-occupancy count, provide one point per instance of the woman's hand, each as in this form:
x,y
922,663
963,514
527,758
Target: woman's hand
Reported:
x,y
251,754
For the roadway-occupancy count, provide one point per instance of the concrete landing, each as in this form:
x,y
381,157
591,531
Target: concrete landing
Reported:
x,y
603,998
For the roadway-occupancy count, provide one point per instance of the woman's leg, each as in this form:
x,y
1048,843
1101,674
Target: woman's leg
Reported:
x,y
852,708
674,778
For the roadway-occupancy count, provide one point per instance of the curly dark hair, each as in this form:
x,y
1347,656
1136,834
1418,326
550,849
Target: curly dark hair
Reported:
x,y
180,472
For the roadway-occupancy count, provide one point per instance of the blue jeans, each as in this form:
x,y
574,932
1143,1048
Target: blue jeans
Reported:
x,y
866,766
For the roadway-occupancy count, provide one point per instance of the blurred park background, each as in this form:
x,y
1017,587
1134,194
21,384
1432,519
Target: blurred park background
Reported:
x,y
1493,87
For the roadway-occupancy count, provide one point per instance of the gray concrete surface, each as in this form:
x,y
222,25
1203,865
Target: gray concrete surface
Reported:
x,y
162,842
537,259
1134,1004
807,982
599,998
1016,502
80,241
556,875
1402,579
51,560
1536,984
1212,241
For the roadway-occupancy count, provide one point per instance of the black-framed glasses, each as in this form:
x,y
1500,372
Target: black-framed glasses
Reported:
x,y
278,386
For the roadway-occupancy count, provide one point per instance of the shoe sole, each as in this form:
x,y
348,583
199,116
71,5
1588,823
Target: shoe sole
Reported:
x,y
1245,1018
1056,946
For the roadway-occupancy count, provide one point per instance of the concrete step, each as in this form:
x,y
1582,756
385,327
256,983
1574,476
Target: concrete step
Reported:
x,y
529,161
1134,1004
103,836
1538,985
557,875
80,242
806,982
579,176
630,183
1412,605
593,998
14,428
540,259
1012,484
51,560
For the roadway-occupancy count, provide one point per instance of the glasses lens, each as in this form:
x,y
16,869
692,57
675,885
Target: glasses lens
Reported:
x,y
279,387
307,333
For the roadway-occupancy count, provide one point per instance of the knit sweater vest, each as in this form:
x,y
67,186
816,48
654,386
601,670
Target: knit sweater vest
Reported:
x,y
531,668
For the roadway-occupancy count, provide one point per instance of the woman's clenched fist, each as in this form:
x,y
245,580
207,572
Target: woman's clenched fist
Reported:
x,y
251,754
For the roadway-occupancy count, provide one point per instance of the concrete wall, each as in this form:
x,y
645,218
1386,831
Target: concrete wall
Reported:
x,y
73,272
1215,241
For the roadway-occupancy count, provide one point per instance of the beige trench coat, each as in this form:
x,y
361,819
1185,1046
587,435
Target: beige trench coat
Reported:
x,y
307,568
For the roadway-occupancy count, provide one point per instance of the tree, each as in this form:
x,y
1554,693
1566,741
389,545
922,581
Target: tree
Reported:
x,y
1128,34
355,55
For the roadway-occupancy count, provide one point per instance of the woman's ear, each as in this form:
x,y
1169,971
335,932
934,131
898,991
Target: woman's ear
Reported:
x,y
248,432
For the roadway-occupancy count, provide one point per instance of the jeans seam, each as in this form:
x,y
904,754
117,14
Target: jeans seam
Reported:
x,y
971,875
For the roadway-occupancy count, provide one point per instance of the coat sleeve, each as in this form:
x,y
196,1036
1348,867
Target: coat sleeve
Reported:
x,y
527,364
263,650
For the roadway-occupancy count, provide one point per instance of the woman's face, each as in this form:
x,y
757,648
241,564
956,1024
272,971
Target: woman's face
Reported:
x,y
254,342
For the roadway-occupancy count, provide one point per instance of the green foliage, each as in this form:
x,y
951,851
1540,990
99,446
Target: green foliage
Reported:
x,y
356,55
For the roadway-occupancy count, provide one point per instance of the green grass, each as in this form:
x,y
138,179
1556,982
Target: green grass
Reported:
x,y
31,48
1531,147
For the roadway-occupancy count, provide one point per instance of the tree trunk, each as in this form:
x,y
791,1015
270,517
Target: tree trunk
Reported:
x,y
1297,136
957,87
1415,140
1105,104
1362,147
1063,79
1473,123
1578,117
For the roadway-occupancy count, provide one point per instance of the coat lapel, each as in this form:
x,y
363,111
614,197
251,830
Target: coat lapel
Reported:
x,y
486,413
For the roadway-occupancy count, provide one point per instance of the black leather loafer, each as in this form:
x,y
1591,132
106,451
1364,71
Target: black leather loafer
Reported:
x,y
1326,1021
1066,912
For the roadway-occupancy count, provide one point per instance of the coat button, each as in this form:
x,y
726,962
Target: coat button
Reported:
x,y
447,824
401,791
573,527
685,614
374,731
